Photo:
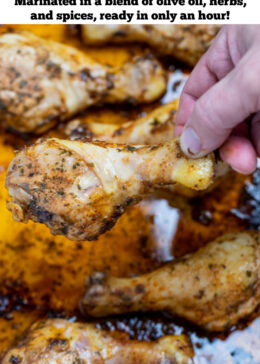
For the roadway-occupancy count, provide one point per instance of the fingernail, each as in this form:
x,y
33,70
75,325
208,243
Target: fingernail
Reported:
x,y
240,171
190,142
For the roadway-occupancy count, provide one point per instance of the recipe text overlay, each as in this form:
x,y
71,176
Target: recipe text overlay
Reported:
x,y
129,11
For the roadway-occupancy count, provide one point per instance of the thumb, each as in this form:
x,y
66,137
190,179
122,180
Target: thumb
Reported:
x,y
225,105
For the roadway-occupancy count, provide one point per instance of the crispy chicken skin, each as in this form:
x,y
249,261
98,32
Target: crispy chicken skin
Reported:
x,y
43,82
58,341
213,288
186,43
80,189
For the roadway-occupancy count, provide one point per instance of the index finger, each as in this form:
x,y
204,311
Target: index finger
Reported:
x,y
213,66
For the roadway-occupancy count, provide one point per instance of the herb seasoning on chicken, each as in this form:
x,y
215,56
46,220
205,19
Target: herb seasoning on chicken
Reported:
x,y
43,82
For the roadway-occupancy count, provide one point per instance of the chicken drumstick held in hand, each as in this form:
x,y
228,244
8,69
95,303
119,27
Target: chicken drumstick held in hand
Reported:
x,y
80,189
154,128
213,288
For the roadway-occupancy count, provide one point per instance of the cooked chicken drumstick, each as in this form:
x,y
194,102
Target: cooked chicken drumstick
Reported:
x,y
154,128
59,341
186,43
214,287
43,82
80,189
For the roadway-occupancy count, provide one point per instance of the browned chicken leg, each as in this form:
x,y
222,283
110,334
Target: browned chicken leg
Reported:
x,y
43,82
154,128
187,43
59,341
80,189
214,288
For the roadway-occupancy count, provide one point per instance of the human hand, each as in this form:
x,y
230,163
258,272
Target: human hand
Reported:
x,y
221,93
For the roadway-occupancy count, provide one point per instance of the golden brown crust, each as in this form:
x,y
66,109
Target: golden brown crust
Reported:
x,y
154,128
186,43
62,342
214,287
80,189
43,82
